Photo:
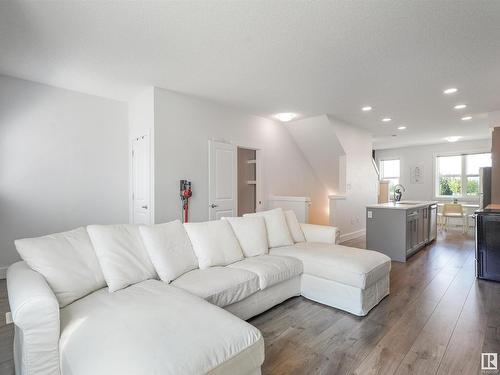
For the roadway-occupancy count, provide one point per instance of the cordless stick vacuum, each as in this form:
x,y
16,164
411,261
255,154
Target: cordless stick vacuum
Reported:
x,y
186,193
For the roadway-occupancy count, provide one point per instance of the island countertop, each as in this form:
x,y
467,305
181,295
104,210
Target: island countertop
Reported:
x,y
402,205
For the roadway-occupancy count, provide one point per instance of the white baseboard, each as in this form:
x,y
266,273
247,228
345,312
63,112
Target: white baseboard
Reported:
x,y
352,235
3,272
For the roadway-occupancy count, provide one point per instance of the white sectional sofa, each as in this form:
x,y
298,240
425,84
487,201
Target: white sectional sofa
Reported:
x,y
172,298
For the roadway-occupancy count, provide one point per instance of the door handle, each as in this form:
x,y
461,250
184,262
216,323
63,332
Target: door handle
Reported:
x,y
213,205
145,207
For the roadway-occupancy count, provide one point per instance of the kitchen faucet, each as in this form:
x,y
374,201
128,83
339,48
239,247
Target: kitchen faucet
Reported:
x,y
398,193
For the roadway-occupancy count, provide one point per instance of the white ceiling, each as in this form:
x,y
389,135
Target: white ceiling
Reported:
x,y
310,57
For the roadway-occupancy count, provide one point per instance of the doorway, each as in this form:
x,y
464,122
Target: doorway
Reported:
x,y
234,179
248,181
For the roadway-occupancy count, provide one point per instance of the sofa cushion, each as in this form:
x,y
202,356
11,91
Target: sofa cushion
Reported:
x,y
294,226
154,328
214,243
67,261
270,269
278,233
169,249
320,233
221,286
346,265
251,234
121,253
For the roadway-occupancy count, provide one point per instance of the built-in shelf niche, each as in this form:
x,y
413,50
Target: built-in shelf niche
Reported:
x,y
247,181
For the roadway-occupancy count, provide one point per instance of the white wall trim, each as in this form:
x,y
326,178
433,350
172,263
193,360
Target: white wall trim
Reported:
x,y
3,272
352,235
289,198
337,197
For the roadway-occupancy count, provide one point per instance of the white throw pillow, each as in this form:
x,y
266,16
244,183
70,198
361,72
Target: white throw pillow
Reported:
x,y
170,249
214,243
121,253
251,234
294,226
67,261
278,233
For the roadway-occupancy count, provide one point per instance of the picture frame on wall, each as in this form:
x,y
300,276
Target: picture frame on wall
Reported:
x,y
417,174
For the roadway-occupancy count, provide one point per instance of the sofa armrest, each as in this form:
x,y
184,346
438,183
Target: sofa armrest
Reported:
x,y
35,313
320,233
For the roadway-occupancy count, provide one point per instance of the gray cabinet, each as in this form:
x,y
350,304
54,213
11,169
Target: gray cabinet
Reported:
x,y
425,225
400,232
413,231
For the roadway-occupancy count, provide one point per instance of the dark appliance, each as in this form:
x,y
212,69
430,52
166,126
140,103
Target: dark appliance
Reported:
x,y
488,244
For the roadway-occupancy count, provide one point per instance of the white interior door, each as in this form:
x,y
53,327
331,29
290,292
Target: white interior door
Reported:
x,y
141,180
222,180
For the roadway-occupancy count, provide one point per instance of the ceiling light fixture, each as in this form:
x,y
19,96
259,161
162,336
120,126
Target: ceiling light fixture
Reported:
x,y
366,109
285,116
453,138
401,127
386,119
460,106
466,118
451,90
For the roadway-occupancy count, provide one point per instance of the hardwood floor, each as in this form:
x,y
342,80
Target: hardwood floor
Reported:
x,y
437,320
6,334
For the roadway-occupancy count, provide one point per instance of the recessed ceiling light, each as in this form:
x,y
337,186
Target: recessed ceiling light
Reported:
x,y
386,119
366,109
460,106
451,90
401,127
466,118
285,116
453,138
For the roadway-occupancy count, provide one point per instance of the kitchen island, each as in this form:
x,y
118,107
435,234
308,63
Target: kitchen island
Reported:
x,y
400,229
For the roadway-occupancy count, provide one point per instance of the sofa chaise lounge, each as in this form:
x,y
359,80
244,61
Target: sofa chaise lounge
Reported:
x,y
173,298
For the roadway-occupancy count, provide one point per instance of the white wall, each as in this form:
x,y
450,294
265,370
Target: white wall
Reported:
x,y
141,113
360,179
183,125
63,161
317,139
340,155
424,156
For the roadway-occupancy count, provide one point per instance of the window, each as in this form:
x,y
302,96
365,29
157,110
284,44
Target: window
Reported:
x,y
389,171
450,175
457,176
